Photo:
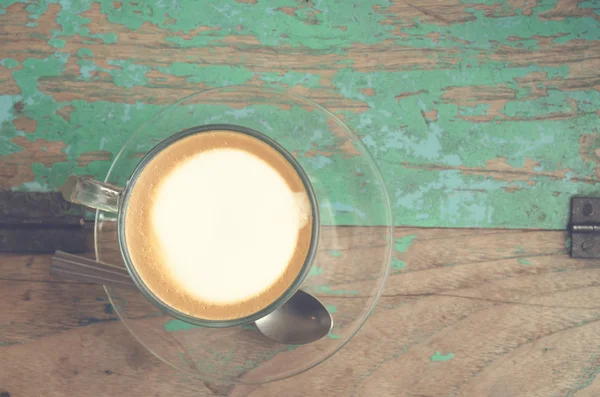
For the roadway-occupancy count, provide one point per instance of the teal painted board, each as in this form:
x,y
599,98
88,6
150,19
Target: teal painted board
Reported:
x,y
479,113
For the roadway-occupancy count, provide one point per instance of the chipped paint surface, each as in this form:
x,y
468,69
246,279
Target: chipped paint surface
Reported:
x,y
178,325
403,243
335,253
315,271
325,290
398,264
441,357
480,114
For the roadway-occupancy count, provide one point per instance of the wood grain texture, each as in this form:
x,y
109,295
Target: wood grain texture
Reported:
x,y
479,113
473,313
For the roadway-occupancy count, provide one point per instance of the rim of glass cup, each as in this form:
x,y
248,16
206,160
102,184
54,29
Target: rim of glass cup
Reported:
x,y
390,226
151,296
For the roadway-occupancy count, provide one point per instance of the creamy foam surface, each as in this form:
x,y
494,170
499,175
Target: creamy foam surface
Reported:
x,y
242,232
218,225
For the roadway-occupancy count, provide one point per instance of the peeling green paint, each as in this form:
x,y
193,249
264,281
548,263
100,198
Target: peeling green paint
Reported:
x,y
441,357
323,289
423,159
315,271
589,373
524,261
128,74
589,4
335,254
481,30
214,75
57,43
84,52
292,78
415,141
397,264
178,325
403,243
520,250
332,309
306,28
9,63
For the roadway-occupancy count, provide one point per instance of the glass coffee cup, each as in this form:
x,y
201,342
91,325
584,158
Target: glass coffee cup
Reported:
x,y
113,199
356,238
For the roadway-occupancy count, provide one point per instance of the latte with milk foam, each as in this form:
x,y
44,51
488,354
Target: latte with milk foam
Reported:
x,y
218,225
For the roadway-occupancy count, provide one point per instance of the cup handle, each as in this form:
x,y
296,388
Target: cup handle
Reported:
x,y
91,193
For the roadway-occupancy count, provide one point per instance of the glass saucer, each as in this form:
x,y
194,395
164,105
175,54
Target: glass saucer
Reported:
x,y
355,242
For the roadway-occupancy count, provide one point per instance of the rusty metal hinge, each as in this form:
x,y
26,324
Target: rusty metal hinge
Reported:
x,y
585,227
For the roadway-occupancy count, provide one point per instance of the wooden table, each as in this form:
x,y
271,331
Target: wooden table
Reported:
x,y
483,117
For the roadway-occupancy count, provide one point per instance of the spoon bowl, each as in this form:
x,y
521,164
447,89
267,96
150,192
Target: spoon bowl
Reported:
x,y
302,319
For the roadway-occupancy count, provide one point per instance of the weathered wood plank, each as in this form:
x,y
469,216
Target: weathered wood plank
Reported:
x,y
479,114
102,359
472,313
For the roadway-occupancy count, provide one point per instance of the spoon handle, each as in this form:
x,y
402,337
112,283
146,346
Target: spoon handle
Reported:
x,y
73,267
